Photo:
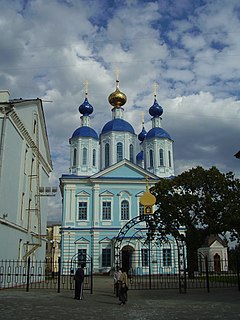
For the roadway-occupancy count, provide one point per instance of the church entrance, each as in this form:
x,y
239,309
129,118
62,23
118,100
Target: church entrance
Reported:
x,y
127,252
217,264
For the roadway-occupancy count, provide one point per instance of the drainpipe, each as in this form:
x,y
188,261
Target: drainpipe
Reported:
x,y
2,138
5,108
6,111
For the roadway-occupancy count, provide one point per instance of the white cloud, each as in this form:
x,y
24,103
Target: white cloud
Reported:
x,y
49,48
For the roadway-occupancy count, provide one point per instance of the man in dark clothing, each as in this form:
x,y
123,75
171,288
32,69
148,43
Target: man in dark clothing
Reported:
x,y
79,277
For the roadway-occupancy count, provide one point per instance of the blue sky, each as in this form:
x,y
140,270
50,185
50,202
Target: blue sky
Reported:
x,y
190,48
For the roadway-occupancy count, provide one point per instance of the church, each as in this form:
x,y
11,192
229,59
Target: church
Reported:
x,y
102,191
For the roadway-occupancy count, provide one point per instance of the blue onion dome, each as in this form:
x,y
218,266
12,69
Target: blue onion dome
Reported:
x,y
140,156
85,131
117,125
158,133
85,108
155,110
142,134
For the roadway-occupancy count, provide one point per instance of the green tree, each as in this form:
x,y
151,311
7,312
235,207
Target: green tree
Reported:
x,y
203,202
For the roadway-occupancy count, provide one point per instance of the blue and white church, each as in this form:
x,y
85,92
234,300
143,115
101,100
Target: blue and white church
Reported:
x,y
106,179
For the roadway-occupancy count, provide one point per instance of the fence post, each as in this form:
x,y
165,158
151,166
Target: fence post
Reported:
x,y
59,274
28,274
149,267
238,277
207,274
91,276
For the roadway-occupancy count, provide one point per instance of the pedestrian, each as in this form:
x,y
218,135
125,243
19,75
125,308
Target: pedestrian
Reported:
x,y
79,277
123,287
116,279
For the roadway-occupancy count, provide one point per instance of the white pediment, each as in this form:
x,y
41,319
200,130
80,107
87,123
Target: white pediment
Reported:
x,y
82,194
82,240
106,193
106,239
124,169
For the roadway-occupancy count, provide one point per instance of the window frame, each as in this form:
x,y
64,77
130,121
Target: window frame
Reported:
x,y
74,157
84,255
107,155
125,210
151,158
145,257
169,158
161,157
131,153
106,215
86,210
84,156
94,158
119,153
106,257
167,257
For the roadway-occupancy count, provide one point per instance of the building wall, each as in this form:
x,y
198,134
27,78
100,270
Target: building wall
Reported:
x,y
21,225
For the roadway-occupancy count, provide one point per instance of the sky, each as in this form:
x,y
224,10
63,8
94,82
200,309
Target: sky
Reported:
x,y
191,48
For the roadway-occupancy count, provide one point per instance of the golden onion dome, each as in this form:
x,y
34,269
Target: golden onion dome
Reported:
x,y
117,98
147,199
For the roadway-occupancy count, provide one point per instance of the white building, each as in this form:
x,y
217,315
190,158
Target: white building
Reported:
x,y
216,251
25,165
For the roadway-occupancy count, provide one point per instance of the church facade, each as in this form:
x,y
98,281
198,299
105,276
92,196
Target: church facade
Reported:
x,y
107,177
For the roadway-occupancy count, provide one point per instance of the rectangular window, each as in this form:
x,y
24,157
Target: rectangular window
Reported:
x,y
124,210
145,257
84,156
161,157
82,256
167,258
169,159
106,257
141,209
82,211
106,210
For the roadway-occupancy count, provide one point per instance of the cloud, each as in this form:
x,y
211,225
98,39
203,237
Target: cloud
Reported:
x,y
191,48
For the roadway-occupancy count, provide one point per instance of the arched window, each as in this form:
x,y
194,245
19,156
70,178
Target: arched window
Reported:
x,y
94,158
151,158
124,210
74,156
169,158
106,155
84,157
161,157
131,152
119,151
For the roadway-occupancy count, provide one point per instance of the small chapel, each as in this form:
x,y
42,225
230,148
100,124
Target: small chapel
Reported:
x,y
106,179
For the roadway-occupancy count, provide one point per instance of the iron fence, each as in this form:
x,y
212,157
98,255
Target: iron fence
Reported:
x,y
45,274
145,274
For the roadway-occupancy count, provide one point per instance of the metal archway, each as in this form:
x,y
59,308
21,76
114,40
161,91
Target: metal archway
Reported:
x,y
150,231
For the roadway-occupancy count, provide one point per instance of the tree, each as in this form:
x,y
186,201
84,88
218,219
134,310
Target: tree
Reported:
x,y
202,201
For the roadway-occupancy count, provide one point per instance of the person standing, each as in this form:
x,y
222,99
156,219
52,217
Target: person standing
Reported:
x,y
116,279
123,288
79,277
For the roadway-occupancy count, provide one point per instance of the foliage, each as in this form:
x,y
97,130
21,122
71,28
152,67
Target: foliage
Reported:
x,y
199,200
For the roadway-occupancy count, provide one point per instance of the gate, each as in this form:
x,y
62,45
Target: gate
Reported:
x,y
85,260
151,263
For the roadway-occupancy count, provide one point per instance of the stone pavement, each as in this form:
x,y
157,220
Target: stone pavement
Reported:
x,y
103,305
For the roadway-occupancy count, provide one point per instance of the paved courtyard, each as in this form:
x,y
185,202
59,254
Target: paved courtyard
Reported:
x,y
102,304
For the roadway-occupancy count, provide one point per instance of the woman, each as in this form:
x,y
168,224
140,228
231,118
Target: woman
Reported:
x,y
123,288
